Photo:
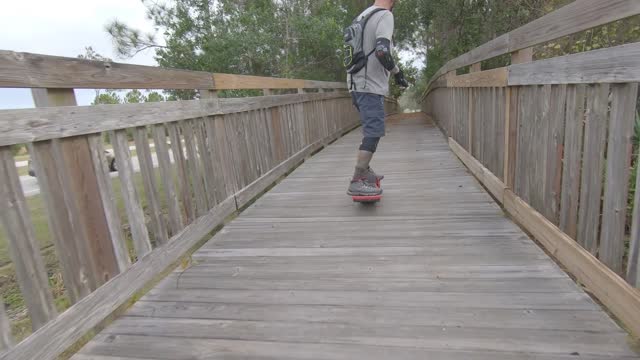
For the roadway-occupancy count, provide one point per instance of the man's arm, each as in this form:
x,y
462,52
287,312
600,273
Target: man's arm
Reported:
x,y
384,33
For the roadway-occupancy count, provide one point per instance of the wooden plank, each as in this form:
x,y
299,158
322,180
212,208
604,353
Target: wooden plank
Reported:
x,y
414,300
66,235
23,247
25,70
633,267
31,125
222,166
522,56
168,181
555,150
150,184
526,110
446,317
467,159
183,180
130,197
195,169
611,65
91,218
6,340
495,186
487,78
245,195
224,157
507,135
578,16
84,192
618,296
493,48
477,67
593,166
109,202
65,330
572,160
171,348
205,160
229,81
616,188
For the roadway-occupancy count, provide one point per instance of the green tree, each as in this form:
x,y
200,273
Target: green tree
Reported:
x,y
107,98
134,97
281,38
154,96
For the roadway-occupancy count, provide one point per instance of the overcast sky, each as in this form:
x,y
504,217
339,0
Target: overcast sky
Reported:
x,y
65,28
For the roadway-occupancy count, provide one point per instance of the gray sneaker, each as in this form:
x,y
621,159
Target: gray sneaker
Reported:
x,y
372,177
362,187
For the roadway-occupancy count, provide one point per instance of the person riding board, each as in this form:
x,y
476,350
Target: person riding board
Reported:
x,y
368,87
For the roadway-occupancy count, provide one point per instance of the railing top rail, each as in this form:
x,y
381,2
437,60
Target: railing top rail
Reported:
x,y
26,70
578,16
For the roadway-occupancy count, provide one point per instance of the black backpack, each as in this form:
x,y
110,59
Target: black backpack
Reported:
x,y
355,58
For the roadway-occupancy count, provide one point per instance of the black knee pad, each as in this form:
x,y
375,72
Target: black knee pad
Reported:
x,y
370,144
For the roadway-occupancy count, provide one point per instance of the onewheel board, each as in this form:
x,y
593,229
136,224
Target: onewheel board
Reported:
x,y
367,199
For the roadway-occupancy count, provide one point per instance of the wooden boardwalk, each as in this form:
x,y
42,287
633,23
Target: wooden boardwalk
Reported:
x,y
434,271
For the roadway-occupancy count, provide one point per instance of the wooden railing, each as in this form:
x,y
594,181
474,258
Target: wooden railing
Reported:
x,y
213,156
551,140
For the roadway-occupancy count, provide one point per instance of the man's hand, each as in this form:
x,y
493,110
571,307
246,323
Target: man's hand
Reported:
x,y
400,80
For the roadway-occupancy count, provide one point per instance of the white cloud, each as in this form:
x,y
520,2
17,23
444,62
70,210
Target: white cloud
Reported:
x,y
65,28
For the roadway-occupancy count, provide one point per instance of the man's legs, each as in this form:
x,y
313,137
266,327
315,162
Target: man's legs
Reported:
x,y
371,109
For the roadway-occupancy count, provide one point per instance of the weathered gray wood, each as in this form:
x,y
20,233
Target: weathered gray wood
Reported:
x,y
592,166
109,202
149,182
424,337
23,247
130,196
616,188
633,267
168,179
29,125
217,151
66,329
183,180
6,340
405,272
572,160
189,349
446,317
195,169
41,71
83,195
205,156
611,65
555,137
66,234
224,157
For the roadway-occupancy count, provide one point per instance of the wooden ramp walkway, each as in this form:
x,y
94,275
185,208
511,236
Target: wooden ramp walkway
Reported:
x,y
434,271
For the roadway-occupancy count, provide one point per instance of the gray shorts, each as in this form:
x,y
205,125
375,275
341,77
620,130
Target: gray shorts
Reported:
x,y
371,109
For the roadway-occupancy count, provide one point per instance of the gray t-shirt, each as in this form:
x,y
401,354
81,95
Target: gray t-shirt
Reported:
x,y
380,25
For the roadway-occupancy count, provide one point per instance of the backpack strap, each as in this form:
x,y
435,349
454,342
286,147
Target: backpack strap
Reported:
x,y
364,26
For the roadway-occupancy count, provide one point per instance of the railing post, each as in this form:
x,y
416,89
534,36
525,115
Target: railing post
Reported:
x,y
266,92
84,240
511,121
477,67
